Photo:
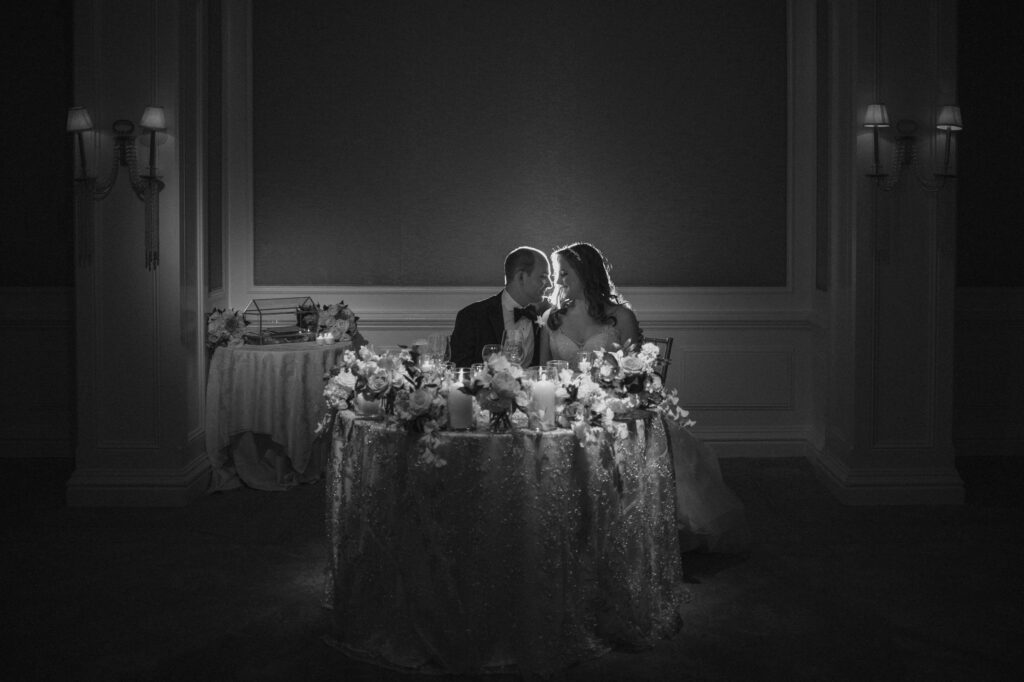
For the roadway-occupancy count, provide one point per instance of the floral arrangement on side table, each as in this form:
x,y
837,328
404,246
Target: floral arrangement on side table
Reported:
x,y
336,319
225,327
406,395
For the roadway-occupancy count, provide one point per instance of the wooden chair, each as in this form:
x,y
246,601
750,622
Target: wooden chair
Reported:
x,y
664,344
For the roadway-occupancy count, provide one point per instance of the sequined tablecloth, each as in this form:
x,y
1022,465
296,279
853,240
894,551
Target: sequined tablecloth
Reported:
x,y
526,551
262,407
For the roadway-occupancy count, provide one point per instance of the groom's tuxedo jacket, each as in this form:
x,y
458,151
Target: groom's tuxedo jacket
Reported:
x,y
479,324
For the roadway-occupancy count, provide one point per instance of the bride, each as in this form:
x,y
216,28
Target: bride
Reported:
x,y
588,314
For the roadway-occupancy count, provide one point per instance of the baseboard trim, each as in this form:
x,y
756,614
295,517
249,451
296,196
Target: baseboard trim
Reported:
x,y
764,449
139,488
939,485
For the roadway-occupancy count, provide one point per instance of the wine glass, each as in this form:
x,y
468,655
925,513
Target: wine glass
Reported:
x,y
438,346
489,350
512,345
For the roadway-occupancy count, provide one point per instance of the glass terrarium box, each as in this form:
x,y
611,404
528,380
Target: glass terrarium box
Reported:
x,y
280,320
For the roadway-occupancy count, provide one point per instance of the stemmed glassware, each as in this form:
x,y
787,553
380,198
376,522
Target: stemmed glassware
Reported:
x,y
489,350
512,345
439,346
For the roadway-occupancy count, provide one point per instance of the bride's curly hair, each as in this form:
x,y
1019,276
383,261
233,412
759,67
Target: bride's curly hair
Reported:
x,y
592,268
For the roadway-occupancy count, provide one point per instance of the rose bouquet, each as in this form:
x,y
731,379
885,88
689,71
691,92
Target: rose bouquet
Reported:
x,y
225,327
336,319
611,387
499,388
407,396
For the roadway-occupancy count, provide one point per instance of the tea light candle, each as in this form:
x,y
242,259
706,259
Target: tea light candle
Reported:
x,y
543,398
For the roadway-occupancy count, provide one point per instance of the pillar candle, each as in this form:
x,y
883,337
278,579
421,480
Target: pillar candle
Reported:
x,y
544,403
460,409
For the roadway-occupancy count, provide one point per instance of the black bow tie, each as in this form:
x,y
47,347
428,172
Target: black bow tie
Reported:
x,y
529,311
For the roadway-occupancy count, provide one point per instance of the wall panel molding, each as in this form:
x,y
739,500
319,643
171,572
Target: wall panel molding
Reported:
x,y
744,378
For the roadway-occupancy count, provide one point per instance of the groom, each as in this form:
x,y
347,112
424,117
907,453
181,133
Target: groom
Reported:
x,y
527,279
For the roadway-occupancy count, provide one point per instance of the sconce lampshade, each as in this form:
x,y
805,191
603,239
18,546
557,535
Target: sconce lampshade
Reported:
x,y
78,120
153,119
876,117
949,119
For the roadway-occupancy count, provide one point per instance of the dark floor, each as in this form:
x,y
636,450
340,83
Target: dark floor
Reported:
x,y
229,587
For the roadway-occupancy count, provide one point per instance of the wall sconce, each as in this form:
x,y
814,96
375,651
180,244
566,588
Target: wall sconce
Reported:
x,y
146,187
905,148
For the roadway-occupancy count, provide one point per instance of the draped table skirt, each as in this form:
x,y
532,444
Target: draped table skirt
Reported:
x,y
263,404
526,551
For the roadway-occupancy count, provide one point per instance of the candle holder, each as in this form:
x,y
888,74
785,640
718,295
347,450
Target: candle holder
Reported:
x,y
461,405
543,403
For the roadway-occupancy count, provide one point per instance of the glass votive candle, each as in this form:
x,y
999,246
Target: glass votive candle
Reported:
x,y
460,404
558,366
365,407
490,350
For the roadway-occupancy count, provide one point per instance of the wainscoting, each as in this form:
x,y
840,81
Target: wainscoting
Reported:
x,y
37,331
742,360
748,382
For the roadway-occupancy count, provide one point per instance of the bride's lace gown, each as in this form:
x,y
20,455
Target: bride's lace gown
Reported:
x,y
708,513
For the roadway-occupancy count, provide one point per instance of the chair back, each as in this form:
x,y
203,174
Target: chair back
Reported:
x,y
664,344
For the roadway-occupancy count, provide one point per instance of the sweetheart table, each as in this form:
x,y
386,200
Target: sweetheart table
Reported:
x,y
526,551
263,404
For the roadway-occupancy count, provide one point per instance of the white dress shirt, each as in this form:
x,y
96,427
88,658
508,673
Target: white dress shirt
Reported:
x,y
525,324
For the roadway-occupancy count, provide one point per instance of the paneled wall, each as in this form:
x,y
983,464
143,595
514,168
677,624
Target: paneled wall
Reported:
x,y
742,358
400,143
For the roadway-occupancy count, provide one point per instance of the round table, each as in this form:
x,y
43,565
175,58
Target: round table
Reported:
x,y
263,404
526,551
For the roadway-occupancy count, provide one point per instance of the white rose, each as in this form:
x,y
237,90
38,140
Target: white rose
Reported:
x,y
632,365
346,380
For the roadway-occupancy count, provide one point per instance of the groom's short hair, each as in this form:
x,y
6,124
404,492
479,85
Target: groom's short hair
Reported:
x,y
522,258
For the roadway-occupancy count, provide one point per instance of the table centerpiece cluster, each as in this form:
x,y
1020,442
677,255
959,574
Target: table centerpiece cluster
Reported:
x,y
414,391
332,322
225,327
612,386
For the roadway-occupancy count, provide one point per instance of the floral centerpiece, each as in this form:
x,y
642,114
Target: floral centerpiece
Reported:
x,y
407,396
500,389
225,327
336,319
613,386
